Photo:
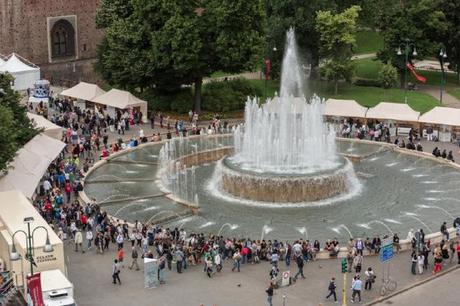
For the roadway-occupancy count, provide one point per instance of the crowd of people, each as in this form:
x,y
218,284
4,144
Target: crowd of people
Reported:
x,y
90,229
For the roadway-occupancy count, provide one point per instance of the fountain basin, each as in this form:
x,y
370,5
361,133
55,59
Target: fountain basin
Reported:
x,y
285,188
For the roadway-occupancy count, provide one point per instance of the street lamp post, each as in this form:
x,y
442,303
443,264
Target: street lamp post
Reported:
x,y
14,255
442,58
407,48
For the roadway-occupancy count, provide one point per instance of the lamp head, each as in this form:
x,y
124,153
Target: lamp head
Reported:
x,y
28,219
414,53
48,246
14,255
399,52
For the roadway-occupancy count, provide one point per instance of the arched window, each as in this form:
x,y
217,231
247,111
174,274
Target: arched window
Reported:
x,y
63,39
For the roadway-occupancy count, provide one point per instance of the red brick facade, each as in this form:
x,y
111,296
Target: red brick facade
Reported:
x,y
25,26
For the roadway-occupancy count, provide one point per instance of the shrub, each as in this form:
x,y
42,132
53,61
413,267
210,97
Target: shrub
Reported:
x,y
367,82
227,95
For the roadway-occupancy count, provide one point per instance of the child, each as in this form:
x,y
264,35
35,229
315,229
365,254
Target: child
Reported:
x,y
121,255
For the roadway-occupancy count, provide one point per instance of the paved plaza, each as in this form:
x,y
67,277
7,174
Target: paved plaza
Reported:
x,y
91,275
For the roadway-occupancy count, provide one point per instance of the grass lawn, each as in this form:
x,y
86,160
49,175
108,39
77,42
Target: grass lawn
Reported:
x,y
368,42
433,77
219,74
367,68
272,87
367,96
455,92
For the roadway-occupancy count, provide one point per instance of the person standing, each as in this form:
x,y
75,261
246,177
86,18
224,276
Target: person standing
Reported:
x,y
356,286
299,261
269,292
116,272
89,238
331,288
458,252
370,278
358,262
179,259
78,240
420,263
134,256
414,263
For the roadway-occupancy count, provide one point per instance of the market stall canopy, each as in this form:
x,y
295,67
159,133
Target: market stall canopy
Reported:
x,y
122,100
30,164
344,108
393,112
442,116
119,99
25,74
50,129
83,91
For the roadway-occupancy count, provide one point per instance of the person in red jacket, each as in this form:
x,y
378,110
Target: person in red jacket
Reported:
x,y
68,190
83,220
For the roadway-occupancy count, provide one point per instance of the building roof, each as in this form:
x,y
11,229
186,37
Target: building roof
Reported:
x,y
344,108
30,164
119,99
442,116
83,91
393,111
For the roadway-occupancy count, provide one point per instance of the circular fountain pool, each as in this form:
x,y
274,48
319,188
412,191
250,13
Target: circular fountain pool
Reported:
x,y
399,192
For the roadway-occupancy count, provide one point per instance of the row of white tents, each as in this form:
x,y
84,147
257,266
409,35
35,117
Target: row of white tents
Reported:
x,y
396,112
25,73
114,99
445,121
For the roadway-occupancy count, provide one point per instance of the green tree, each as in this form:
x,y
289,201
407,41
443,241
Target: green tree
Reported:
x,y
388,76
15,127
299,14
451,37
418,22
337,37
164,44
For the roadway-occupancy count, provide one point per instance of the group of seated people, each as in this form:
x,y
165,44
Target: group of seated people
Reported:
x,y
444,154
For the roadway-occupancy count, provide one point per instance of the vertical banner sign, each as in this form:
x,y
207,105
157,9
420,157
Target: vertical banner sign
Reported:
x,y
267,68
34,286
151,273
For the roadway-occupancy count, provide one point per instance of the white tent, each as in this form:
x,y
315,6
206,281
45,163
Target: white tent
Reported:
x,y
30,164
121,99
83,91
25,75
50,129
441,116
393,112
344,108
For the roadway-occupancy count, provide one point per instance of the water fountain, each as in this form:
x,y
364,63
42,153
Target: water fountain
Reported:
x,y
284,152
304,231
231,226
414,216
422,206
265,230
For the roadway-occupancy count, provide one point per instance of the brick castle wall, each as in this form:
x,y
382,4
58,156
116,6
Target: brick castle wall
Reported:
x,y
24,30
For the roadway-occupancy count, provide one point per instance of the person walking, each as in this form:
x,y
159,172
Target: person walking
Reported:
x,y
356,287
357,263
236,260
299,261
370,278
134,256
269,292
332,287
116,272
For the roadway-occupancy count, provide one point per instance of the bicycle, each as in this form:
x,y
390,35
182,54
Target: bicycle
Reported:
x,y
388,285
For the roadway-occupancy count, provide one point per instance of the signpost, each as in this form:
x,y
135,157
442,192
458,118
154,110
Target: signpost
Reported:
x,y
285,278
344,289
386,253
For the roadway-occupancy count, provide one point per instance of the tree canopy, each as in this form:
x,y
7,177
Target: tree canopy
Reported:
x,y
169,43
15,127
337,37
